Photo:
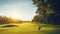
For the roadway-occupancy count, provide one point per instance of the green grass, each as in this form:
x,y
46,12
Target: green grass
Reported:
x,y
28,28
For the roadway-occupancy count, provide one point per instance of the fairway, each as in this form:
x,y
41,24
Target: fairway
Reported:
x,y
28,28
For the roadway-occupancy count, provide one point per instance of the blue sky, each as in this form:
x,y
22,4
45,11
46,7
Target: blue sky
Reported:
x,y
20,9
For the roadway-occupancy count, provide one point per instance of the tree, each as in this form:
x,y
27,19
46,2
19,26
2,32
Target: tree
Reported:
x,y
48,11
7,20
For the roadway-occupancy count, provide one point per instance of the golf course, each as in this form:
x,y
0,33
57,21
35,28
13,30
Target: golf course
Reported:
x,y
28,28
29,16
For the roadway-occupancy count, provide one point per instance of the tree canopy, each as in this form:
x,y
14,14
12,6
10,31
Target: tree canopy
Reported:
x,y
48,11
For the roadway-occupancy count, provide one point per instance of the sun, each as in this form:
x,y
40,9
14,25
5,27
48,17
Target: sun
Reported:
x,y
15,16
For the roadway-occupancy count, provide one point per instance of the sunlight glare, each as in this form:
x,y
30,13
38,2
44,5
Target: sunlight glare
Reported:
x,y
15,16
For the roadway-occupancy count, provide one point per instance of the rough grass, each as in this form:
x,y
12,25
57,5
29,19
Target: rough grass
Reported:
x,y
28,28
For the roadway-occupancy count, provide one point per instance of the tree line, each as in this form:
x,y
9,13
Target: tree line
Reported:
x,y
7,20
48,11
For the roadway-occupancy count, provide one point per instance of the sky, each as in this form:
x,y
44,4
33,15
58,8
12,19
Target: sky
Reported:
x,y
19,9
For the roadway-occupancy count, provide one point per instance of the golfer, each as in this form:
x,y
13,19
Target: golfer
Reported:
x,y
39,27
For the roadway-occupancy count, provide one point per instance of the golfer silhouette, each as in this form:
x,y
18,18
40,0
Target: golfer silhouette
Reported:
x,y
39,27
